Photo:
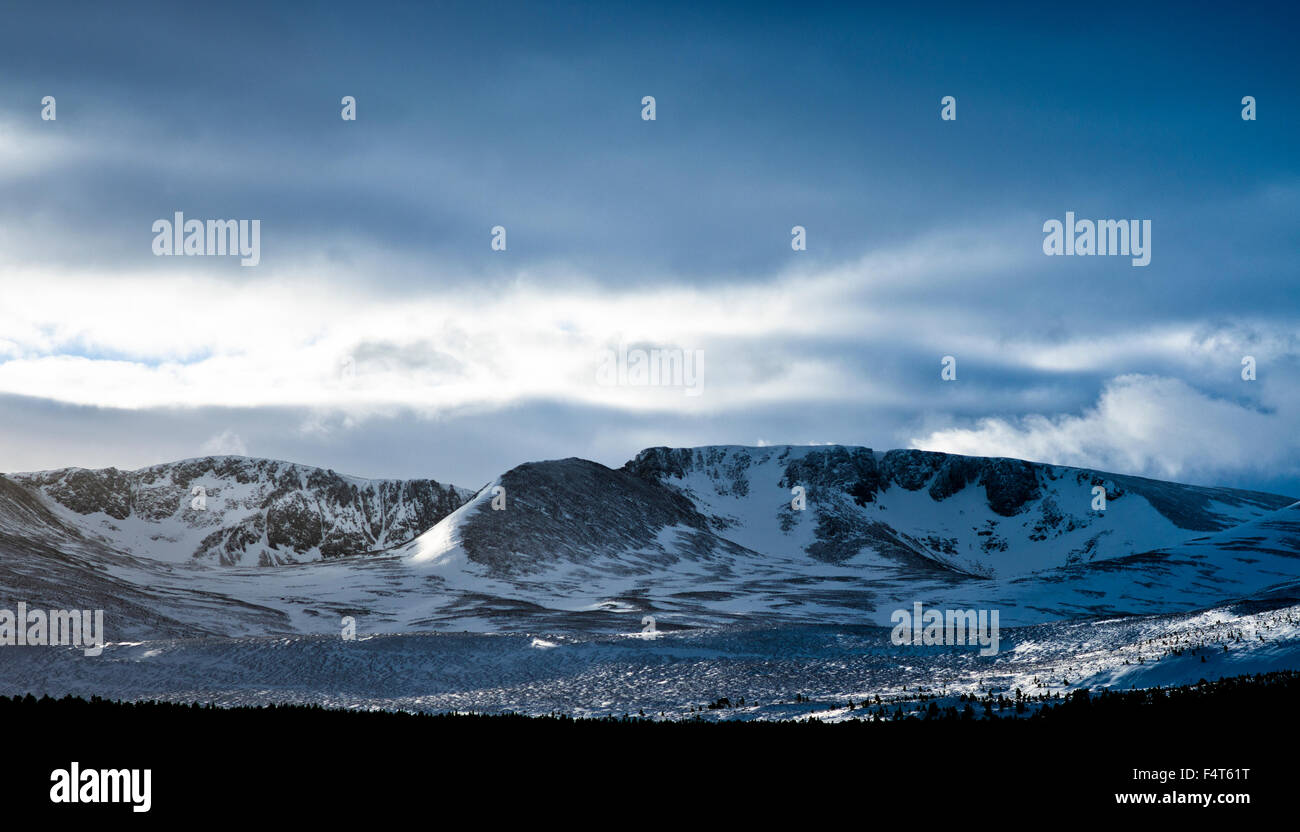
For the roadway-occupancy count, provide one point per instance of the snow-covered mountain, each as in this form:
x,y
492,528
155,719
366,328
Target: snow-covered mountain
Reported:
x,y
694,537
986,516
236,510
750,594
927,511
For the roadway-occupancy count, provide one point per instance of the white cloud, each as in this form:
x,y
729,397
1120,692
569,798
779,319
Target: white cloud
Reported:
x,y
854,337
226,443
194,339
1152,425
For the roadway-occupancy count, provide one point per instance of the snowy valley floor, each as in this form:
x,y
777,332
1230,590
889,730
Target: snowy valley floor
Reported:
x,y
783,673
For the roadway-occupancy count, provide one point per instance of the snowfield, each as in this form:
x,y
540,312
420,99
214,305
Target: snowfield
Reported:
x,y
669,675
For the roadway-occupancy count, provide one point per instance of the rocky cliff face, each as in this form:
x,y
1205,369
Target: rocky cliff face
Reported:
x,y
1009,485
242,511
981,515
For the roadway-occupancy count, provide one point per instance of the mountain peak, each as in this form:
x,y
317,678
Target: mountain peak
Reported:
x,y
242,510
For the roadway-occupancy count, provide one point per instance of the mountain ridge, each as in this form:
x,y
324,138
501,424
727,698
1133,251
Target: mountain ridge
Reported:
x,y
228,508
691,537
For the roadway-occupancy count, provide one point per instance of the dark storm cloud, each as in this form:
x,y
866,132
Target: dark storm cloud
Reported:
x,y
472,115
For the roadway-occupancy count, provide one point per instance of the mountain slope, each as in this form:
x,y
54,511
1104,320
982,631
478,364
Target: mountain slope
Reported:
x,y
236,510
693,537
983,516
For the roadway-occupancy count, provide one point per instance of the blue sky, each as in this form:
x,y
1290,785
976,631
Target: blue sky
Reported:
x,y
924,236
